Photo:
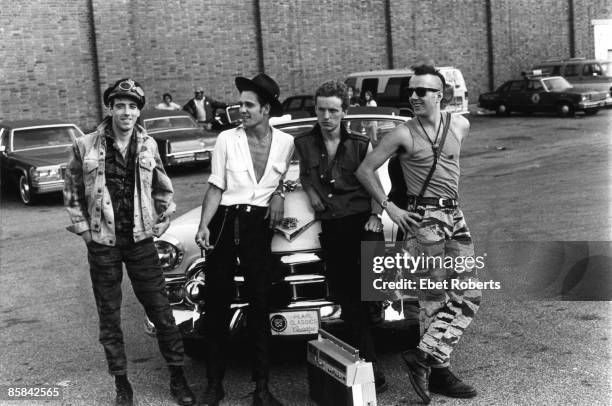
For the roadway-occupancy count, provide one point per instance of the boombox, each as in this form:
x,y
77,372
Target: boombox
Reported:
x,y
336,374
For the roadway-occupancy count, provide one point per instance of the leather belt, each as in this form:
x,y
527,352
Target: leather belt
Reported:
x,y
247,208
434,201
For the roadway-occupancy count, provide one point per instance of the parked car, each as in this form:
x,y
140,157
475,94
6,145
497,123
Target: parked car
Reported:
x,y
300,106
179,137
302,294
542,94
34,155
582,73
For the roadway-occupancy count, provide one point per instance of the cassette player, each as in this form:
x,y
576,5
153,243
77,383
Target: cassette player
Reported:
x,y
337,375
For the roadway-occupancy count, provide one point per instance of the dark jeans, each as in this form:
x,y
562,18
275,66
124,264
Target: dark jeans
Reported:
x,y
341,241
143,268
246,235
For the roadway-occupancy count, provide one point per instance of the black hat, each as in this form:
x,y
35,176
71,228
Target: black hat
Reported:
x,y
266,88
125,88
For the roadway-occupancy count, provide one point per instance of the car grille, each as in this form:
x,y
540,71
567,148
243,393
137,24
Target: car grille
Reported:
x,y
596,96
186,145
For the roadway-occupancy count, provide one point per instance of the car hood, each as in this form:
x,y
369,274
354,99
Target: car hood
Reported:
x,y
181,134
43,156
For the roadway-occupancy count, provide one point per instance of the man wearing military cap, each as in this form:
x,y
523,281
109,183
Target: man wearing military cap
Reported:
x,y
118,197
243,202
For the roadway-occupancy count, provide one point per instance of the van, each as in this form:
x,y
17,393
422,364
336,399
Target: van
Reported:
x,y
389,88
582,73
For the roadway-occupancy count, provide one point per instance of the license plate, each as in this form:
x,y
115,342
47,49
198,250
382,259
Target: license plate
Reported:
x,y
299,322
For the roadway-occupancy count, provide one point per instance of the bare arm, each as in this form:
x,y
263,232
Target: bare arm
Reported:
x,y
210,204
366,173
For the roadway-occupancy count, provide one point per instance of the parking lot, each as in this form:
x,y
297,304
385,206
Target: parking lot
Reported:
x,y
533,178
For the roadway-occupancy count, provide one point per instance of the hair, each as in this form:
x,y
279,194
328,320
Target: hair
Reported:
x,y
368,93
429,70
167,94
333,88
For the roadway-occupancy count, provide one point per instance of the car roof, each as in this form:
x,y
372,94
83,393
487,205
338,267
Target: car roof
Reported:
x,y
13,124
577,61
162,113
394,72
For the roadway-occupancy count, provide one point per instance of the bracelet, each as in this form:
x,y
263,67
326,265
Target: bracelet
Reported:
x,y
377,215
278,193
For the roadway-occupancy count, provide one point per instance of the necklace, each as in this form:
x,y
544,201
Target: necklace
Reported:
x,y
434,142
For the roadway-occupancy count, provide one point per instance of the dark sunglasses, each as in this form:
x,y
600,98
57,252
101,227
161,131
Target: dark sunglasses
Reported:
x,y
420,91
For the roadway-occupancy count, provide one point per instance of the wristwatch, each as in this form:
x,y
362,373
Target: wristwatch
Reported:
x,y
384,204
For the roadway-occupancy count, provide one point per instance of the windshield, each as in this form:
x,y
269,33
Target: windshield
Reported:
x,y
556,84
46,137
166,123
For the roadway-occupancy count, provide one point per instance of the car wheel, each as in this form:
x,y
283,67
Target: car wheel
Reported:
x,y
25,193
565,109
502,109
591,112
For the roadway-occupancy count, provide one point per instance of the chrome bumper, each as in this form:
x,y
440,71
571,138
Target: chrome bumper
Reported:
x,y
48,187
179,158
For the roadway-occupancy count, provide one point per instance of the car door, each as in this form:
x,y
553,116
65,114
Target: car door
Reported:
x,y
515,95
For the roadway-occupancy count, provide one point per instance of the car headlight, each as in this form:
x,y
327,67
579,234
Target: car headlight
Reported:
x,y
45,174
169,255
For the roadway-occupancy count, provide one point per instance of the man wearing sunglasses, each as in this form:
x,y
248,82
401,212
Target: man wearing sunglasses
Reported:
x,y
434,226
329,156
118,197
203,108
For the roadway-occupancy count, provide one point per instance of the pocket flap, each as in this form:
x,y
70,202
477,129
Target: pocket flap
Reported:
x,y
90,165
146,163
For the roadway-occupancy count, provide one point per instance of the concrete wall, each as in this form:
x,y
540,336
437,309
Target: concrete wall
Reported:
x,y
56,57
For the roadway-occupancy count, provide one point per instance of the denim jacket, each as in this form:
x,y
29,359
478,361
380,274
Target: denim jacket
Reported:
x,y
88,201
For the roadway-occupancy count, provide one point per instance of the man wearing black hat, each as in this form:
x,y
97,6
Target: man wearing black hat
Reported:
x,y
118,197
243,202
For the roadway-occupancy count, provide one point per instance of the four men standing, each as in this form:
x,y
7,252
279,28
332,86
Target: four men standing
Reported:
x,y
119,196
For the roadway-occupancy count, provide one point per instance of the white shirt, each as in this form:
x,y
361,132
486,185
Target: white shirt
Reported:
x,y
232,168
371,103
200,110
164,106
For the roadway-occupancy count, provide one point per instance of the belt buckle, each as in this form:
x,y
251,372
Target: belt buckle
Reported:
x,y
248,208
441,202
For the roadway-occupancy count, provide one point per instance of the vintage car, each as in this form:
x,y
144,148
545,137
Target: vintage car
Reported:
x,y
301,298
302,104
537,93
34,154
180,139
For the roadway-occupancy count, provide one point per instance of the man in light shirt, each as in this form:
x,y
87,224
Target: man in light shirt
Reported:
x,y
241,206
203,108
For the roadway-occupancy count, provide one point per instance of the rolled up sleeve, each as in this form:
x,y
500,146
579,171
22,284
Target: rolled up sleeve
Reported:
x,y
217,165
74,193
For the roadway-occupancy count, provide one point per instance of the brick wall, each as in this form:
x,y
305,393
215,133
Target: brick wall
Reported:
x,y
451,33
46,61
308,42
49,66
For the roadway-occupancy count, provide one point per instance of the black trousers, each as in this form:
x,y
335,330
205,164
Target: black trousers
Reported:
x,y
341,241
143,268
246,235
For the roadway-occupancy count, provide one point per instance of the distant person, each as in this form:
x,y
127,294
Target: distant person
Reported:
x,y
168,104
353,99
203,108
369,99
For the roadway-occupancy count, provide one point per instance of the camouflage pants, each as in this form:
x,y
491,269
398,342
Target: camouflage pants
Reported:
x,y
143,268
445,312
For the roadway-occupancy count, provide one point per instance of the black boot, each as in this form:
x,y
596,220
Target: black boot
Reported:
x,y
179,389
125,394
444,382
262,395
418,370
214,393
